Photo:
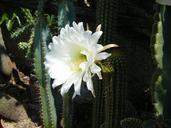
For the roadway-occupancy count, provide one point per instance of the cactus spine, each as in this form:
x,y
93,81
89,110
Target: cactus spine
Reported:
x,y
48,111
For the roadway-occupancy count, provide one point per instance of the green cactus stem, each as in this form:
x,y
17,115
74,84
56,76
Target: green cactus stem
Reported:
x,y
166,81
66,13
162,88
48,111
106,16
67,108
159,91
131,123
115,85
108,106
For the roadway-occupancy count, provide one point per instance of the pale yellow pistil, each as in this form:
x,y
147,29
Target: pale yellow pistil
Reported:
x,y
76,61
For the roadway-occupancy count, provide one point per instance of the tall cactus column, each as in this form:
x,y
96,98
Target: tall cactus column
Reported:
x,y
106,15
48,111
115,92
108,107
167,61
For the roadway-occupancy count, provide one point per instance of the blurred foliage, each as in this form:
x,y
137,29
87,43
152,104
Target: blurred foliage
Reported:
x,y
21,23
9,20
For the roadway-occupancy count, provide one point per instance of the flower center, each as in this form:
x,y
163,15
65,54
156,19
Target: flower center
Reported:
x,y
77,58
77,61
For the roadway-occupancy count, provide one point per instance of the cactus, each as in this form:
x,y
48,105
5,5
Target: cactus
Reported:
x,y
108,107
106,14
66,13
131,123
166,62
157,43
115,92
162,75
46,99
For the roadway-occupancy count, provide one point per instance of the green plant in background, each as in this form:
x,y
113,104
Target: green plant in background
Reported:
x,y
110,100
9,20
48,111
28,25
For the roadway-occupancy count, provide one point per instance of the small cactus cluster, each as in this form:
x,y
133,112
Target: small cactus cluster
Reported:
x,y
131,123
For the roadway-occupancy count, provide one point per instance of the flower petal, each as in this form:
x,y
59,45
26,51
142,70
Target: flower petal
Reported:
x,y
83,66
87,34
77,85
80,26
58,71
99,74
95,37
56,83
98,47
72,55
98,27
90,86
102,56
87,76
65,87
95,69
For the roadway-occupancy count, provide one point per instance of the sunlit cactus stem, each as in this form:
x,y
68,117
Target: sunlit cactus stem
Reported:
x,y
48,111
162,89
166,81
158,54
66,13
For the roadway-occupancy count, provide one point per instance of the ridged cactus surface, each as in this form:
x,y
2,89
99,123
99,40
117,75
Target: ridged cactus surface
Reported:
x,y
115,87
48,111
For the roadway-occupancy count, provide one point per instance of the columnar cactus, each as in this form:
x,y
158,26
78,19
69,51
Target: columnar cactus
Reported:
x,y
108,107
115,93
162,89
48,111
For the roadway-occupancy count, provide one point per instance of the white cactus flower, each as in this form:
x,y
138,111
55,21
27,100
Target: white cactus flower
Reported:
x,y
72,57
